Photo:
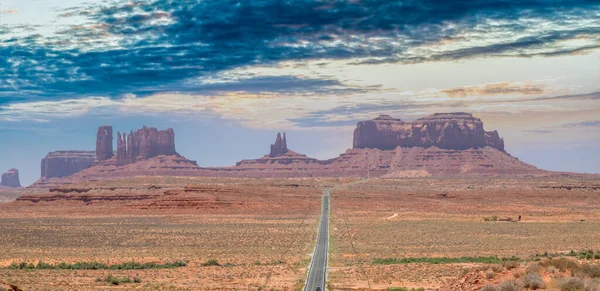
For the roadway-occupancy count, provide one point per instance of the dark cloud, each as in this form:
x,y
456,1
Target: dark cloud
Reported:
x,y
165,43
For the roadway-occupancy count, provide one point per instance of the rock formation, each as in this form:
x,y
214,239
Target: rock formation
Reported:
x,y
145,143
104,143
454,131
11,179
279,147
61,164
279,154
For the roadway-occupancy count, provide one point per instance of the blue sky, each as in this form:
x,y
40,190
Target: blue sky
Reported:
x,y
227,75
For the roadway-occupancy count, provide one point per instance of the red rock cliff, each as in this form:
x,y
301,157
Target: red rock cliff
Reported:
x,y
457,131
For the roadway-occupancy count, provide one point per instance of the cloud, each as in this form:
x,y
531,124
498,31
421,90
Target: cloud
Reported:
x,y
146,47
539,131
495,89
10,11
592,123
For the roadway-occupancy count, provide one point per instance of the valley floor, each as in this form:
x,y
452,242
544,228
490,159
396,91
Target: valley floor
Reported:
x,y
256,234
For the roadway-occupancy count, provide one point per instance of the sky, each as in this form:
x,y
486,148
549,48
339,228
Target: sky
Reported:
x,y
228,75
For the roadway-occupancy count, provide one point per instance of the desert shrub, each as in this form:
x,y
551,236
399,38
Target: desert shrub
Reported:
x,y
518,274
490,274
492,218
534,268
509,265
404,289
563,264
593,271
534,281
489,288
572,284
137,280
210,263
117,281
97,266
497,268
511,285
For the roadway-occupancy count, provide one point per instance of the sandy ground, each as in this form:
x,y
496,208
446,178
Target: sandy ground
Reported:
x,y
261,231
446,218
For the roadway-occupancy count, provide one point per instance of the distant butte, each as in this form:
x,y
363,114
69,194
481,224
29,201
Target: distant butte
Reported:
x,y
453,131
11,179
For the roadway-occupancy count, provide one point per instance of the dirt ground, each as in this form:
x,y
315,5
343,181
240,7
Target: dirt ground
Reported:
x,y
415,218
262,231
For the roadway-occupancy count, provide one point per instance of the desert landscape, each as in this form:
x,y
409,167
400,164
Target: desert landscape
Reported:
x,y
448,214
303,145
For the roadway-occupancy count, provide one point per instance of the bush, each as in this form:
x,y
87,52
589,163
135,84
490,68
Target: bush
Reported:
x,y
518,273
116,280
511,285
534,268
572,284
509,265
593,271
211,263
98,266
534,281
489,274
404,289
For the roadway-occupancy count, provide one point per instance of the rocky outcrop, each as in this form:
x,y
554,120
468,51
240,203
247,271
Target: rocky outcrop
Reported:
x,y
279,155
279,147
145,143
11,179
61,164
454,131
104,143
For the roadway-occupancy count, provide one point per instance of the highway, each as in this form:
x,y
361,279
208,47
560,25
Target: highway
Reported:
x,y
317,272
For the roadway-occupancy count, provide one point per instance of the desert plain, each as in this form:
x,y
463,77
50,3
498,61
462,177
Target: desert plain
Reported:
x,y
258,234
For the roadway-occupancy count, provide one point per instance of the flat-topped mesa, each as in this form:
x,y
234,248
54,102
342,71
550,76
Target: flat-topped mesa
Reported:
x,y
11,179
61,164
455,131
145,143
104,143
279,147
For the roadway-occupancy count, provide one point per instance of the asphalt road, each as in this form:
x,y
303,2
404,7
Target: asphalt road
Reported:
x,y
317,273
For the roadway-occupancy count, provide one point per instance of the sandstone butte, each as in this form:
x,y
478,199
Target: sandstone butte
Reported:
x,y
11,179
442,144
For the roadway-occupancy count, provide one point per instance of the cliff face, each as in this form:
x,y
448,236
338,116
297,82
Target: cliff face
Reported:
x,y
145,143
65,163
455,131
11,178
104,143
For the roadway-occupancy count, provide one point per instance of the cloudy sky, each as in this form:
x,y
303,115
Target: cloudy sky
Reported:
x,y
227,75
